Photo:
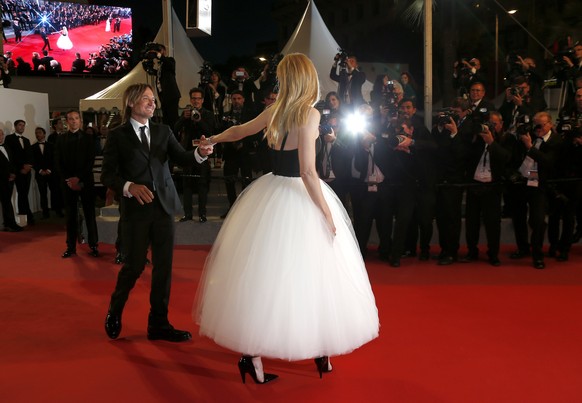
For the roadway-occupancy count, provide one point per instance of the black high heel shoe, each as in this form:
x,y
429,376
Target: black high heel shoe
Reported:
x,y
322,364
245,365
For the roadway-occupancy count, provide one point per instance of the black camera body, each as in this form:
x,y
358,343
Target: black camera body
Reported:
x,y
570,127
325,113
516,91
205,73
341,57
444,116
523,125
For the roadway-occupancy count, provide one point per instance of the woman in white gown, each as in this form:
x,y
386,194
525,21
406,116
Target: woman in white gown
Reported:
x,y
285,278
64,42
108,25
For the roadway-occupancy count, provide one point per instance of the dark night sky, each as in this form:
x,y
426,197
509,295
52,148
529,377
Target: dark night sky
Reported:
x,y
237,26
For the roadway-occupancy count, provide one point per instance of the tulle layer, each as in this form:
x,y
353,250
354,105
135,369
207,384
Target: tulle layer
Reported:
x,y
278,284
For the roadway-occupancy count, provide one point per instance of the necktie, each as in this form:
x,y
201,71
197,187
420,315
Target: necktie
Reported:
x,y
144,139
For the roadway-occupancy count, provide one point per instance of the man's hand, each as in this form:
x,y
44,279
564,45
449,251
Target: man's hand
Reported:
x,y
141,193
206,147
526,140
330,137
487,136
73,183
451,126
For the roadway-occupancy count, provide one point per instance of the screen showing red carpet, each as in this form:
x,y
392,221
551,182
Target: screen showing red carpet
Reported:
x,y
77,38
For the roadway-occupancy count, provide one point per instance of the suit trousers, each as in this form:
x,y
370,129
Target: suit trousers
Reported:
x,y
483,202
535,200
22,183
448,218
396,211
201,182
45,183
71,198
6,190
145,226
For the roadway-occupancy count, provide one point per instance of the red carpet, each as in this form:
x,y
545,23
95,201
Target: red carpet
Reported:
x,y
86,39
463,333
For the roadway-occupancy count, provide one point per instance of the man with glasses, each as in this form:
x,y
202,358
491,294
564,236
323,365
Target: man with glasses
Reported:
x,y
520,102
195,123
536,155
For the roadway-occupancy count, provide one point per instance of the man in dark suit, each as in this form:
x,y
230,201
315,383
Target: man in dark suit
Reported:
x,y
46,60
536,157
74,159
78,64
45,39
487,164
135,166
350,81
168,88
21,158
43,157
477,97
7,176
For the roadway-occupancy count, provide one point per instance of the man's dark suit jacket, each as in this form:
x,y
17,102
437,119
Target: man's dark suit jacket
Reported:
x,y
125,159
44,160
355,87
75,160
18,156
78,66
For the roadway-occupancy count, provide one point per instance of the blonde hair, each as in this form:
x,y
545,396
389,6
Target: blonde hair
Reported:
x,y
298,92
132,95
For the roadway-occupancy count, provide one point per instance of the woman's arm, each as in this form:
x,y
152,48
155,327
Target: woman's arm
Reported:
x,y
238,132
306,146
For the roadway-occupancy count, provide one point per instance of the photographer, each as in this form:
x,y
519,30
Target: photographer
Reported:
x,y
453,134
350,79
534,158
214,93
237,155
466,73
486,168
195,123
5,78
567,195
156,63
519,101
240,81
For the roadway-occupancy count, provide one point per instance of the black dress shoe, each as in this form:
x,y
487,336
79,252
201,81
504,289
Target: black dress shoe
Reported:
x,y
446,260
519,254
394,262
424,256
539,264
494,261
60,214
168,334
68,253
186,218
94,251
112,325
469,257
409,253
13,228
563,257
119,258
203,218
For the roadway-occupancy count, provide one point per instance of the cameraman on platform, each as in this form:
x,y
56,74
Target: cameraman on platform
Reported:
x,y
194,123
167,87
350,79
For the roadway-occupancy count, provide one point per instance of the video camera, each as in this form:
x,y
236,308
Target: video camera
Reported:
x,y
150,57
325,112
205,73
341,58
570,128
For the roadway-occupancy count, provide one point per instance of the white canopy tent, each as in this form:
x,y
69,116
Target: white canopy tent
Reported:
x,y
188,64
312,38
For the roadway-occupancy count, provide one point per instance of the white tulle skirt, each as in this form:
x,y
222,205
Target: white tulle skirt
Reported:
x,y
64,42
278,284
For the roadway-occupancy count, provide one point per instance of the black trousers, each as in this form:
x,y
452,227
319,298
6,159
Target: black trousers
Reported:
x,y
483,202
45,183
530,205
396,208
448,218
365,206
87,198
421,224
563,207
6,190
196,177
145,226
22,183
232,166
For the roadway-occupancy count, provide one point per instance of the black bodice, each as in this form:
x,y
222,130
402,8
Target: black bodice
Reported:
x,y
285,162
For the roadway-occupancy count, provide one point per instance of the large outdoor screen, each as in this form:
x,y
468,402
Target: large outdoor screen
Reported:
x,y
77,38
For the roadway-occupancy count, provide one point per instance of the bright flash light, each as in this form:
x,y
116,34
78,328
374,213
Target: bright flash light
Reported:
x,y
44,19
512,11
356,123
262,59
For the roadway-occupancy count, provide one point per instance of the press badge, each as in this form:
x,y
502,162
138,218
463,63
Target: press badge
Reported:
x,y
533,179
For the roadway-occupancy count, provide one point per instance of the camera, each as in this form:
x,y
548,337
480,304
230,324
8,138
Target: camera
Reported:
x,y
444,116
150,57
195,115
570,128
325,112
341,58
516,91
205,73
487,126
523,125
